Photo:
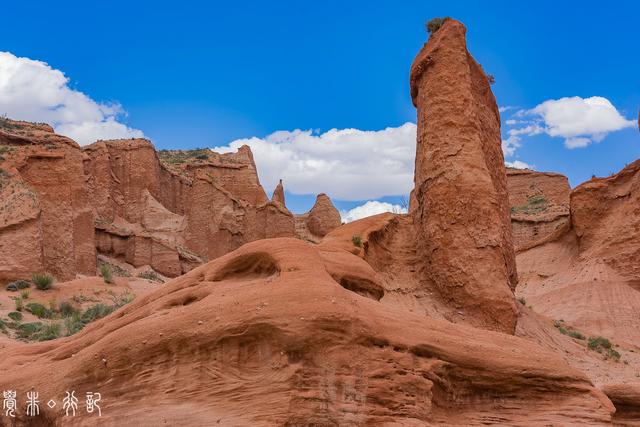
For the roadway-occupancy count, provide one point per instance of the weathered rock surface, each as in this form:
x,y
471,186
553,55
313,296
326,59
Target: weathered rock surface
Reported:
x,y
539,204
462,212
271,334
278,194
173,211
46,221
62,202
589,275
319,221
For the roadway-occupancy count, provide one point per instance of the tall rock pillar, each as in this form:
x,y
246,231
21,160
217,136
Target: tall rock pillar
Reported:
x,y
462,210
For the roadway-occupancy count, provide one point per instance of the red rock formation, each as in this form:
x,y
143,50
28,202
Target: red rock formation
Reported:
x,y
539,206
46,221
588,275
278,194
319,221
172,214
460,182
287,335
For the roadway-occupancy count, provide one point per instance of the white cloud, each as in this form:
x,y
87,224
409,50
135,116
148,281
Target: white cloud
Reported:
x,y
577,142
372,207
348,164
580,120
517,164
34,91
510,145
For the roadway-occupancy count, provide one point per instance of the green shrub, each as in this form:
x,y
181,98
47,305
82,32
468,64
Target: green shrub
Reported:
x,y
576,335
567,331
96,311
39,310
73,324
43,281
356,240
49,331
123,299
25,294
26,330
105,270
604,347
434,24
17,285
150,275
15,315
535,204
598,342
19,304
66,309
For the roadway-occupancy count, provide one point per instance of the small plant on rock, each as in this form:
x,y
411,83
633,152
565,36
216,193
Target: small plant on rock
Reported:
x,y
150,275
434,24
43,281
603,346
356,240
66,309
15,315
105,271
17,285
39,310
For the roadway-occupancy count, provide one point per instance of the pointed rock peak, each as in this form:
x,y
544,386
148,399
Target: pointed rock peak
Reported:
x,y
278,194
460,203
323,216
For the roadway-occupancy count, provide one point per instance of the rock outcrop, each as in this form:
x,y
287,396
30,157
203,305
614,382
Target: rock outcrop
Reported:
x,y
319,221
539,204
175,210
279,332
46,220
278,194
462,212
61,203
588,274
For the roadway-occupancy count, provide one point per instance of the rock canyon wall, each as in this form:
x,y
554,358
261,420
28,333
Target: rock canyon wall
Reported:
x,y
63,204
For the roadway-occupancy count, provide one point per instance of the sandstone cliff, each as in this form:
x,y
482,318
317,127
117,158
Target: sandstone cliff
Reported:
x,y
171,210
539,204
460,189
46,220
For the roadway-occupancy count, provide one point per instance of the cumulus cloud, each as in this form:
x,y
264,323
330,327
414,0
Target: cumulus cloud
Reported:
x,y
580,121
517,164
348,164
372,207
34,91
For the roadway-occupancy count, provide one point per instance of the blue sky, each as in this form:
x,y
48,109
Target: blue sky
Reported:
x,y
196,74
